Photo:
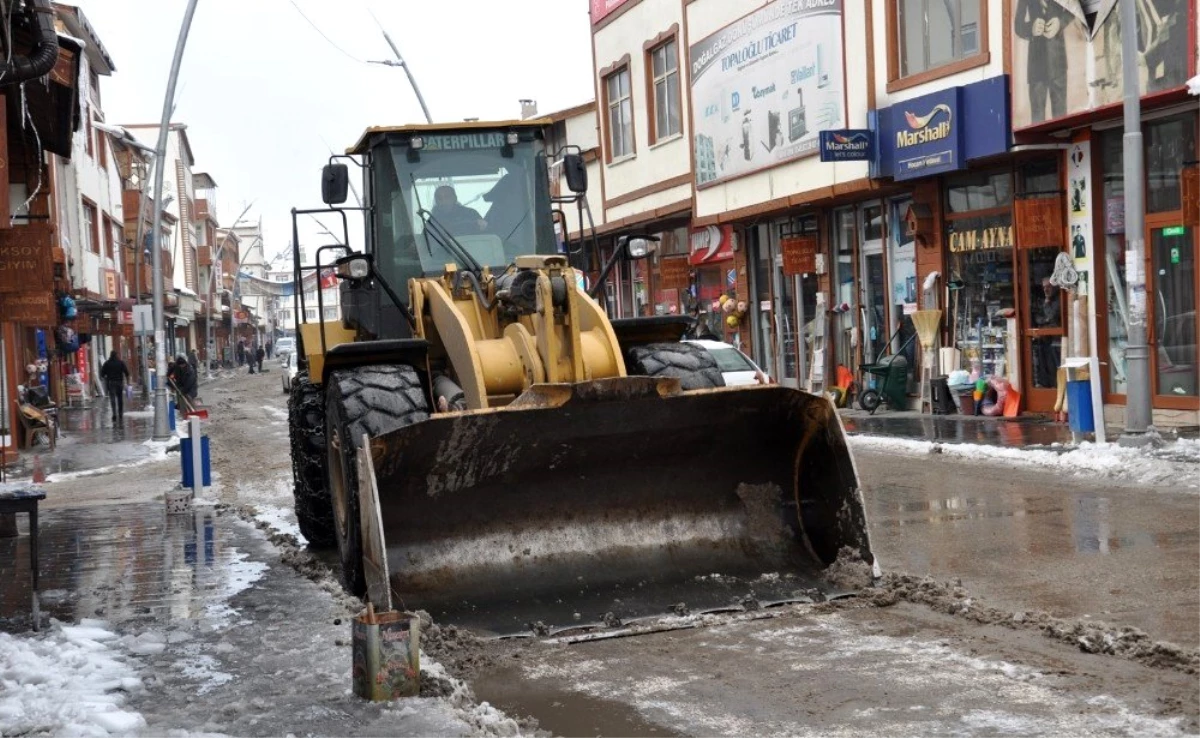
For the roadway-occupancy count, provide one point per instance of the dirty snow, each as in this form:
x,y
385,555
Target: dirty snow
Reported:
x,y
156,451
1176,464
67,681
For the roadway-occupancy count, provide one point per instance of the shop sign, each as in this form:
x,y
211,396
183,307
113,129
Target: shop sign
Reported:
x,y
1189,190
1175,231
981,239
711,244
848,144
29,308
1039,222
763,87
941,131
799,255
111,285
673,274
602,8
26,260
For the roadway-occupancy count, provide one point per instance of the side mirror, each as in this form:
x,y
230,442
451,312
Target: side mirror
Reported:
x,y
639,247
335,183
575,170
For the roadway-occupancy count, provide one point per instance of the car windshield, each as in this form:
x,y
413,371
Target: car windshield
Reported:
x,y
731,360
490,197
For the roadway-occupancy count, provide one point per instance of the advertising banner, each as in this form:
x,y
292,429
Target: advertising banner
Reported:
x,y
848,144
1067,55
711,244
764,86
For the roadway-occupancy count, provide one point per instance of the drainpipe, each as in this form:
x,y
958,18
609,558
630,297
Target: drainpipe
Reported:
x,y
44,55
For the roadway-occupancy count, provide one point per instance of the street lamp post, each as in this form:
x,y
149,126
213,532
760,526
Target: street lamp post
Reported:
x,y
1138,430
161,423
399,62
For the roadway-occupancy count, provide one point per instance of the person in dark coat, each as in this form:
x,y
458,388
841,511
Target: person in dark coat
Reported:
x,y
115,374
184,378
260,355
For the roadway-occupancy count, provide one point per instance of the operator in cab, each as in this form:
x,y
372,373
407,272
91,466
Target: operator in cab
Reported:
x,y
455,217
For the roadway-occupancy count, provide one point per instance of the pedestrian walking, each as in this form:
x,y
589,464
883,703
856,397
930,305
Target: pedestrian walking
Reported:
x,y
115,374
260,355
250,358
241,352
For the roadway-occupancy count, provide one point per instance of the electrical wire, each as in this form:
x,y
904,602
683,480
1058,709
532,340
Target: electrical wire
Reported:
x,y
318,30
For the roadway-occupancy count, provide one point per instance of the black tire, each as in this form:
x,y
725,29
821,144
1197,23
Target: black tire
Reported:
x,y
693,365
869,400
371,400
306,431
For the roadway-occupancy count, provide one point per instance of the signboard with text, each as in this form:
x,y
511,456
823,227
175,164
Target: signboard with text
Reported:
x,y
763,86
711,244
848,144
799,255
602,8
29,308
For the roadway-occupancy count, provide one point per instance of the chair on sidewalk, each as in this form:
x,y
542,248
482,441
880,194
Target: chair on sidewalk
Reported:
x,y
35,422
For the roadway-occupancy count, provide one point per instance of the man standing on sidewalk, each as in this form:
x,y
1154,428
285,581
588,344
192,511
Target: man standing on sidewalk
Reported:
x,y
259,354
115,374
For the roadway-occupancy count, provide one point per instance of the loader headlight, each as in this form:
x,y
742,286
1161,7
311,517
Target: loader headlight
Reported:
x,y
354,267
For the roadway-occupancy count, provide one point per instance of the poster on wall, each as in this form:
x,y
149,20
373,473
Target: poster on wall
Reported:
x,y
602,8
1079,206
764,87
1067,54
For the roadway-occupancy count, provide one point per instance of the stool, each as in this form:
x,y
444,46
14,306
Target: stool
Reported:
x,y
25,500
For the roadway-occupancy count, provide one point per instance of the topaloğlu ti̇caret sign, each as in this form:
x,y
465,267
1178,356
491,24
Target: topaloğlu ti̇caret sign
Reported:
x,y
763,87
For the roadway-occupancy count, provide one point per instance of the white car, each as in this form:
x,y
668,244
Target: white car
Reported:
x,y
285,346
288,364
736,367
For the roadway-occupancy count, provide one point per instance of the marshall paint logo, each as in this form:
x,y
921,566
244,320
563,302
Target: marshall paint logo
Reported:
x,y
856,142
922,132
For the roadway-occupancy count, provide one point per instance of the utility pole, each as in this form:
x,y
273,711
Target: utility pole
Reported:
x,y
399,62
212,277
1138,431
162,430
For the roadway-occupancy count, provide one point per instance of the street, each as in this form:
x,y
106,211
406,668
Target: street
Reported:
x,y
1023,625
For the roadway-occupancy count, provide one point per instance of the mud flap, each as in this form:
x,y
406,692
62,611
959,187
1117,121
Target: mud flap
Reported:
x,y
615,499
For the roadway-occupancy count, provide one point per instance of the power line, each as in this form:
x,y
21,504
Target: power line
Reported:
x,y
318,30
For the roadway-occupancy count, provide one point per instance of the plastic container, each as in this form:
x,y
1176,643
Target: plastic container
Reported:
x,y
1079,406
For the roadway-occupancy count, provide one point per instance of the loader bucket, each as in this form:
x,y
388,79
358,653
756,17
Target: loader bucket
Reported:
x,y
616,499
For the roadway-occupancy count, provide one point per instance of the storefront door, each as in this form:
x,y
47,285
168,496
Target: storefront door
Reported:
x,y
1042,328
874,283
1172,252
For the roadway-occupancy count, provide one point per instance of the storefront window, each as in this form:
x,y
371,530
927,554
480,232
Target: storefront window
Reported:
x,y
902,266
1114,260
1169,143
983,288
874,293
980,191
761,291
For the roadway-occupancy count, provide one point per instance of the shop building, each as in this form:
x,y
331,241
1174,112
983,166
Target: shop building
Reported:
x,y
1082,119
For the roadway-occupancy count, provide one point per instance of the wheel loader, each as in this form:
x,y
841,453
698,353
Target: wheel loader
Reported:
x,y
477,438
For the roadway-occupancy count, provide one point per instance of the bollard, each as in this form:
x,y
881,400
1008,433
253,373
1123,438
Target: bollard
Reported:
x,y
197,466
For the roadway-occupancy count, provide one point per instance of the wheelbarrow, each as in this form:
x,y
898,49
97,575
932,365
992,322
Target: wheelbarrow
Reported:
x,y
892,371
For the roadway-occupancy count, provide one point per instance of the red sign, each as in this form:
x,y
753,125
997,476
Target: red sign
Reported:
x,y
601,8
673,274
711,245
1039,222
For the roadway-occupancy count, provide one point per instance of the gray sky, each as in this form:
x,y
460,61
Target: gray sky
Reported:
x,y
265,96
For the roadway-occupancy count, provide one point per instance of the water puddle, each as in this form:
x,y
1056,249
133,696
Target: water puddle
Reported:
x,y
562,712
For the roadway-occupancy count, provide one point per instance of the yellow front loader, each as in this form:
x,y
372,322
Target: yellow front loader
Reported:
x,y
478,439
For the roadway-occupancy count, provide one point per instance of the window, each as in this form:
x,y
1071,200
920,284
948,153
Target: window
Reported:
x,y
285,315
979,191
620,114
102,148
91,237
934,33
108,237
91,151
310,314
664,70
331,313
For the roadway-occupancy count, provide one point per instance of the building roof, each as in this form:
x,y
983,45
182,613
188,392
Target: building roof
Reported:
x,y
203,181
361,146
181,128
77,25
571,112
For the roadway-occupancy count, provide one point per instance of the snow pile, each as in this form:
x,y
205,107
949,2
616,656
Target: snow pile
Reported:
x,y
1176,464
67,681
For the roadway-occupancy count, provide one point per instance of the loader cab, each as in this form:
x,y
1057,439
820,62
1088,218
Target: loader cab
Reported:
x,y
433,190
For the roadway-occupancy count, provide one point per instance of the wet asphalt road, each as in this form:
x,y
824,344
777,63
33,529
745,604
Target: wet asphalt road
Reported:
x,y
1020,539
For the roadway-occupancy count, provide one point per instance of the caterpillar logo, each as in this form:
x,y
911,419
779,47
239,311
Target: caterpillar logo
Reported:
x,y
922,132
